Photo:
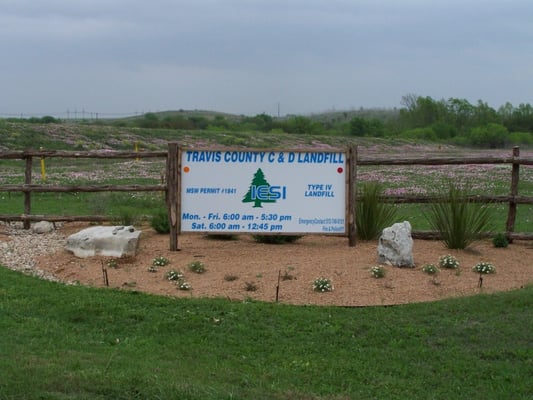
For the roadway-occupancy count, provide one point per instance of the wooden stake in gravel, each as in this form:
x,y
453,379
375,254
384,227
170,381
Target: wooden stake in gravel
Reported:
x,y
277,287
104,273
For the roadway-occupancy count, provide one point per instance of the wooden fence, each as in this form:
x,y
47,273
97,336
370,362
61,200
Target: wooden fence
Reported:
x,y
170,187
29,187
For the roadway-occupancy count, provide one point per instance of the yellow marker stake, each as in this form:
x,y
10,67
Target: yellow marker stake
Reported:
x,y
137,150
43,169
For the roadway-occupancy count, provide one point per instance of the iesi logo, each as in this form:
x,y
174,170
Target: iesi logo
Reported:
x,y
260,191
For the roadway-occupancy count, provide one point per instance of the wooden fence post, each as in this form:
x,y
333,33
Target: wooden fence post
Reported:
x,y
27,195
172,193
511,216
352,195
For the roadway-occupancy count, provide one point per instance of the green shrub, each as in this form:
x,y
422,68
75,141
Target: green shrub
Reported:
x,y
197,267
371,214
159,221
125,216
489,136
174,275
500,240
276,239
378,271
484,268
160,261
430,269
250,286
458,219
322,285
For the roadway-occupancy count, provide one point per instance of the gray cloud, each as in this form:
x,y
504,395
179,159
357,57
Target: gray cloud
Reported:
x,y
247,56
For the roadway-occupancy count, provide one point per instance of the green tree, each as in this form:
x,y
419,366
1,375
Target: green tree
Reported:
x,y
299,124
149,120
359,126
263,122
252,195
490,135
421,111
522,118
459,112
484,114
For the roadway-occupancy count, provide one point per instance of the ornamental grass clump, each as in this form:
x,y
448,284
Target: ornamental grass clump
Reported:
x,y
458,219
448,262
372,214
159,221
322,285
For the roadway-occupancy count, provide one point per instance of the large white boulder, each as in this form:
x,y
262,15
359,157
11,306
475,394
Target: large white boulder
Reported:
x,y
396,245
113,241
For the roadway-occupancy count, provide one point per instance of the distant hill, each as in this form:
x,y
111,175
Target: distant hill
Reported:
x,y
210,115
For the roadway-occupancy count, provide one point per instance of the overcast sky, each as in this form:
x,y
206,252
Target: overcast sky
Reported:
x,y
251,56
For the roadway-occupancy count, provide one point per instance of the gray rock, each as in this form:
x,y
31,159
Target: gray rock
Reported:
x,y
396,245
113,241
42,227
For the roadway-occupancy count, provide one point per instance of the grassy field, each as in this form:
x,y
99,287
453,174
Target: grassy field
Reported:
x,y
486,179
73,342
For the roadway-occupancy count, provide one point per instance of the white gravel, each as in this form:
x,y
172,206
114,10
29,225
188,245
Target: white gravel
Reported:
x,y
19,249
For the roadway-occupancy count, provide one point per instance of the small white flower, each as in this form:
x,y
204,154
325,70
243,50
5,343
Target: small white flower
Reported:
x,y
448,261
484,268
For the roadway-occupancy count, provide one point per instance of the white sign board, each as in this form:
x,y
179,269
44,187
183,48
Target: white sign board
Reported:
x,y
263,191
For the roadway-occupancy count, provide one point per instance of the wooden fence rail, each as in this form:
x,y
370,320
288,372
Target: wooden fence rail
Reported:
x,y
170,187
28,188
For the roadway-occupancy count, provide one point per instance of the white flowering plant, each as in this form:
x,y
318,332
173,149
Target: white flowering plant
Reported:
x,y
449,262
174,275
322,285
197,267
484,268
430,269
183,285
160,261
378,271
152,268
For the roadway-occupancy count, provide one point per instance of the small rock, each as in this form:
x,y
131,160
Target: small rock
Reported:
x,y
42,227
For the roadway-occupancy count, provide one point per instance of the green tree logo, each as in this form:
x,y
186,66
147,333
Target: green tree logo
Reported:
x,y
259,191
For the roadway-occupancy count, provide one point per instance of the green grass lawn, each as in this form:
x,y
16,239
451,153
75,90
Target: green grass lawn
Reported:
x,y
73,342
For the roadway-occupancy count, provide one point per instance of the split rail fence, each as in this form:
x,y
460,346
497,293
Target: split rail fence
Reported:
x,y
170,186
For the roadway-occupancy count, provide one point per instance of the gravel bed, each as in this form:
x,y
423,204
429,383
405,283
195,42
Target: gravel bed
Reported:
x,y
19,249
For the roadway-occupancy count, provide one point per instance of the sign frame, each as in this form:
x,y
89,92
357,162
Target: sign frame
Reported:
x,y
200,201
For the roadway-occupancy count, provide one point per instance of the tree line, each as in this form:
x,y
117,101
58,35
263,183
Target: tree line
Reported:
x,y
452,120
421,118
